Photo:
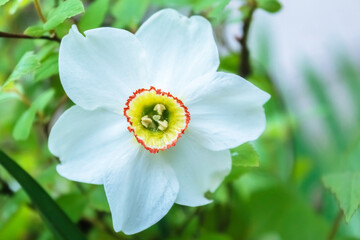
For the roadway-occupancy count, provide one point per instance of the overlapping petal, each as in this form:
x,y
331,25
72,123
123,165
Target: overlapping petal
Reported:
x,y
141,191
103,68
197,169
87,142
226,111
179,49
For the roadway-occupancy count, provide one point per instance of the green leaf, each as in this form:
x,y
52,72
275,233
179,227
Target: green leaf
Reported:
x,y
345,187
58,221
8,95
98,200
27,64
94,15
23,125
244,156
40,103
2,2
48,68
65,10
35,31
73,205
128,13
271,6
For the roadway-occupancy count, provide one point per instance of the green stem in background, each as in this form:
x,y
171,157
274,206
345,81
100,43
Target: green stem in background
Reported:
x,y
24,36
53,215
336,225
245,67
39,12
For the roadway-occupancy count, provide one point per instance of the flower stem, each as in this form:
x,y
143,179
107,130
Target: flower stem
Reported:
x,y
245,67
335,225
38,10
24,36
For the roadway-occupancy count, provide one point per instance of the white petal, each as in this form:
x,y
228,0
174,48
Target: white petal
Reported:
x,y
226,111
87,142
198,170
179,49
101,69
140,192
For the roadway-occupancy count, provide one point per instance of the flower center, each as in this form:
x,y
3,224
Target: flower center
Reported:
x,y
156,118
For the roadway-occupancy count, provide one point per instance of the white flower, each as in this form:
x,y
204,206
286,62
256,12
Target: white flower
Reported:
x,y
161,86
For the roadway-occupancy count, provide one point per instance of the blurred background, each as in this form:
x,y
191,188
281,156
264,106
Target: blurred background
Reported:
x,y
299,180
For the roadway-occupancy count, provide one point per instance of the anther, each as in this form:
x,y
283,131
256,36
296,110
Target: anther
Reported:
x,y
163,125
159,108
146,121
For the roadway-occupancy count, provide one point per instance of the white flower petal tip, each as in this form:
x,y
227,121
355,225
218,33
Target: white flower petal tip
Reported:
x,y
181,49
226,111
102,68
140,192
155,146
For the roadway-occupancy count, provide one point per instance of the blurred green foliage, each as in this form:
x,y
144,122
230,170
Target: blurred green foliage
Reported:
x,y
282,186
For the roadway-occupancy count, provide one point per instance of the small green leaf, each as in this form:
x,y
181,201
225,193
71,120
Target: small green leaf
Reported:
x,y
2,2
98,200
63,29
35,31
8,95
49,67
73,205
27,64
43,100
244,156
128,13
345,187
94,15
57,220
23,125
65,10
271,6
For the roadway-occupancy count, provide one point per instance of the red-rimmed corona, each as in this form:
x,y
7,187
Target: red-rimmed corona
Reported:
x,y
157,118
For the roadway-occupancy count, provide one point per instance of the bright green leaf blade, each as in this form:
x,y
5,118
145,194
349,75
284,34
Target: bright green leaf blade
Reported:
x,y
35,31
23,125
49,209
49,67
345,187
27,64
94,15
73,204
271,6
244,156
8,95
128,13
65,10
42,100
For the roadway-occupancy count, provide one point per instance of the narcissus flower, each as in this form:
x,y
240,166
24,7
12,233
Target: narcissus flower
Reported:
x,y
153,120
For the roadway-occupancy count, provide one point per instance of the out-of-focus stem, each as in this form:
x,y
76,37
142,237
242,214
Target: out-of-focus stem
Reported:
x,y
38,10
24,36
335,225
245,67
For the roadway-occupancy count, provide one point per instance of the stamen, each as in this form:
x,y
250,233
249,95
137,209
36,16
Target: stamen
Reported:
x,y
163,125
159,108
146,121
